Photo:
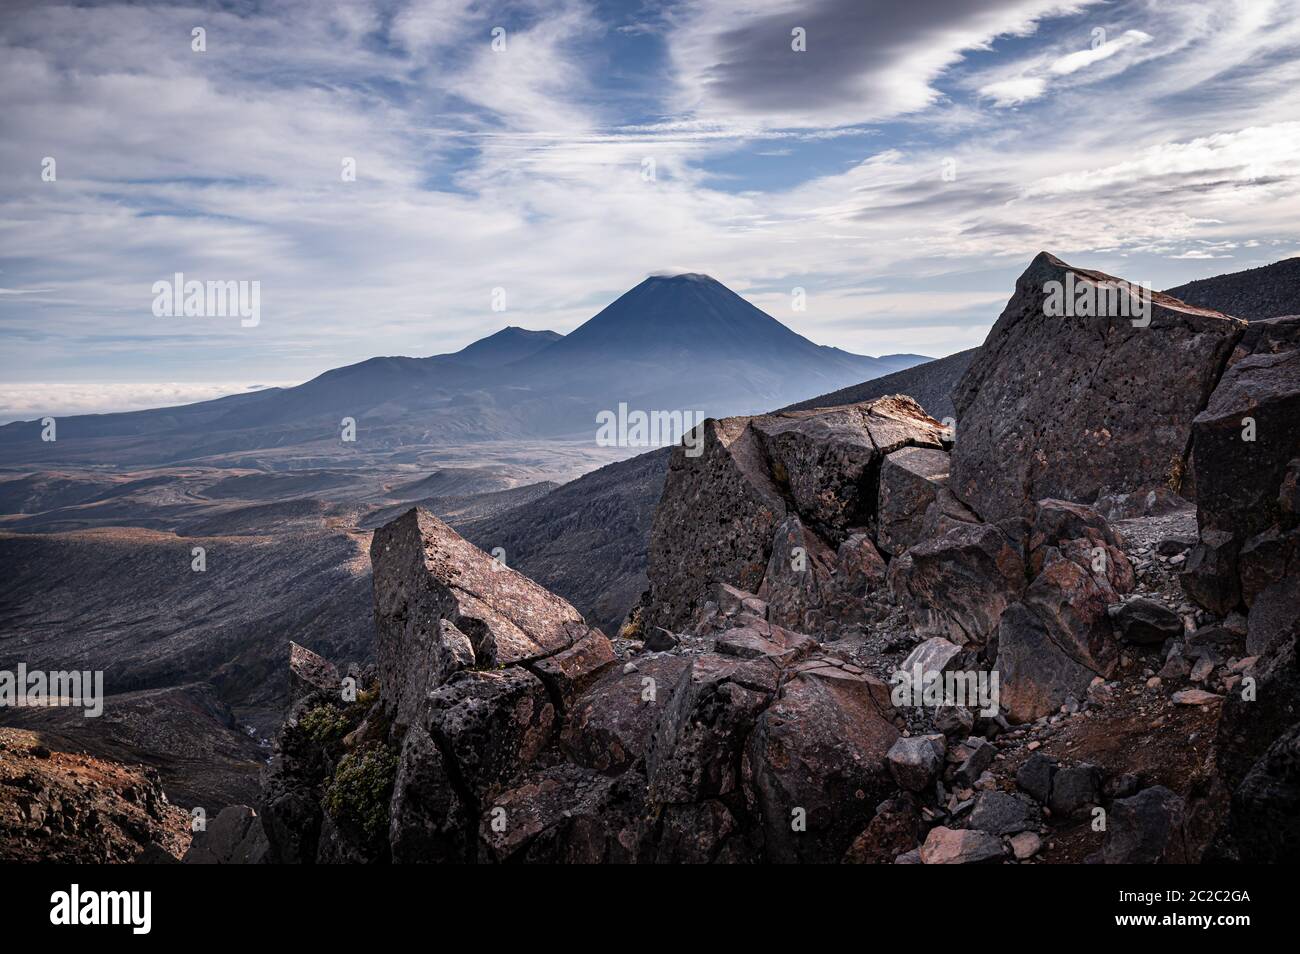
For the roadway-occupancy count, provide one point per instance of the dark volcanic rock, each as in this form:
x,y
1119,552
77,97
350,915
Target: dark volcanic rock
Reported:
x,y
729,481
1148,623
1238,479
752,473
1263,817
442,604
1209,576
234,837
309,672
1078,407
910,479
610,724
957,586
818,760
1146,829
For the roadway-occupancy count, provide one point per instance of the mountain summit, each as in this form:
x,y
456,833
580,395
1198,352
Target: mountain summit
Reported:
x,y
682,342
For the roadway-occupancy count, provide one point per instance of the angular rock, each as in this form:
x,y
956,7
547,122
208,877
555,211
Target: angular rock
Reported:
x,y
1238,480
1025,845
910,479
1034,777
1275,616
822,464
972,757
893,830
958,585
820,749
1146,622
1074,787
609,726
760,639
1195,697
947,846
915,761
570,671
1146,829
562,815
933,655
1000,813
310,673
1209,577
1263,819
695,750
1076,407
428,820
490,725
830,459
442,605
1036,674
234,837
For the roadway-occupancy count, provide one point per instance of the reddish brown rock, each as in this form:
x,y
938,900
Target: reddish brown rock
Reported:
x,y
1080,407
957,586
610,724
442,605
822,465
818,756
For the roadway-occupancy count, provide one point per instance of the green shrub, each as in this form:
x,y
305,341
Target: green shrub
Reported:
x,y
361,788
325,724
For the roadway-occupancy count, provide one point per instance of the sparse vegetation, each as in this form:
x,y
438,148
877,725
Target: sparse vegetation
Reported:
x,y
358,794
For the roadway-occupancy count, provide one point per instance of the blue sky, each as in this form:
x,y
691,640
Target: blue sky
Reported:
x,y
1155,140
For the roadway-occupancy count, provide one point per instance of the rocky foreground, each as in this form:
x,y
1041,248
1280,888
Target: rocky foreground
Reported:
x,y
1089,587
1062,630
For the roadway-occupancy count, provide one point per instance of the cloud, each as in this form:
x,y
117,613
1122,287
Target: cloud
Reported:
x,y
33,401
526,169
865,60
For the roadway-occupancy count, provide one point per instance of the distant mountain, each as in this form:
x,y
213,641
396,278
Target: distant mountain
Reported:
x,y
683,343
507,345
1255,293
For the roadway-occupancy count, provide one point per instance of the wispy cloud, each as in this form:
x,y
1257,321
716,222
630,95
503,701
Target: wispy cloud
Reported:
x,y
902,169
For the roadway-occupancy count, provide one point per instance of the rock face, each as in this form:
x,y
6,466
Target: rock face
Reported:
x,y
910,480
443,605
1053,642
510,732
821,466
957,586
1076,406
234,837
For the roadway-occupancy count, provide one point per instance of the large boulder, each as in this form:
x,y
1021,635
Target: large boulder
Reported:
x,y
1146,829
814,589
818,760
829,460
1243,442
442,606
609,726
1079,405
721,509
714,522
910,481
1060,636
957,586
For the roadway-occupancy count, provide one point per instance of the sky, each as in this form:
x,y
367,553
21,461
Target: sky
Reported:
x,y
526,163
